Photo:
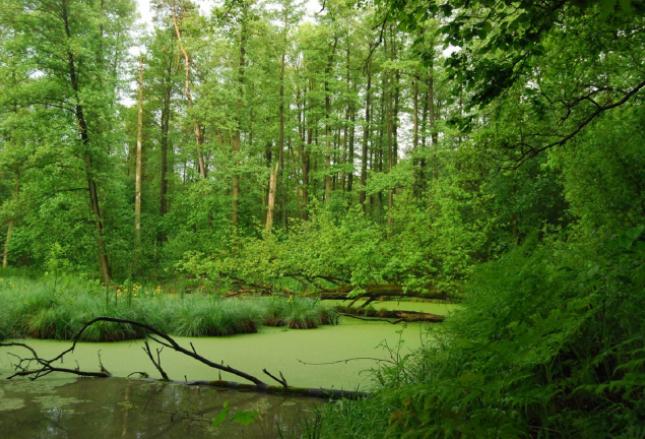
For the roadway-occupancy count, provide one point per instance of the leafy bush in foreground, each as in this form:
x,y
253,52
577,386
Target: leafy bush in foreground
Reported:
x,y
551,343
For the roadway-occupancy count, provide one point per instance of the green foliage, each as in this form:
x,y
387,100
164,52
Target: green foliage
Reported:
x,y
324,253
548,342
57,308
508,171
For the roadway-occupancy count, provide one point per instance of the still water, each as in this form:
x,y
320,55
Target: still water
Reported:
x,y
65,407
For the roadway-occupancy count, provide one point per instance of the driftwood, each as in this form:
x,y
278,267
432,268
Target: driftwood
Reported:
x,y
399,316
35,366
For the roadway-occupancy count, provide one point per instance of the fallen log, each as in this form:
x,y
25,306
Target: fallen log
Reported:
x,y
398,315
378,291
35,366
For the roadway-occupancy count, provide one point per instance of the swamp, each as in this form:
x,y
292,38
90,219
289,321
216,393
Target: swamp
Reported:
x,y
322,219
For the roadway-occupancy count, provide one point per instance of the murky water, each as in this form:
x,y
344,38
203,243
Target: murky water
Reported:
x,y
294,352
63,407
121,408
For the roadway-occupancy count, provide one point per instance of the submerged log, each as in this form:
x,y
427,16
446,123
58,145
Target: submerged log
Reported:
x,y
398,315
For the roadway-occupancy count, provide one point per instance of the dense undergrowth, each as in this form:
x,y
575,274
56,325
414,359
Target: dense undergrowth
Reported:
x,y
58,308
550,343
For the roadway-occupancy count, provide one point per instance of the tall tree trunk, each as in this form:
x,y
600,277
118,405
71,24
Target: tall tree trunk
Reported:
x,y
415,111
306,159
164,146
10,227
281,121
302,149
393,140
418,184
432,112
366,133
328,124
273,182
7,244
138,172
236,139
349,124
104,265
197,127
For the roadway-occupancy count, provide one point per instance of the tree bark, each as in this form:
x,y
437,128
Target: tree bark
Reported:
x,y
236,138
366,134
432,112
328,124
138,173
399,315
104,265
7,244
273,182
197,128
10,227
164,144
280,168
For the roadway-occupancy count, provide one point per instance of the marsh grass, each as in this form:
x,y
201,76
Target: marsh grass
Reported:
x,y
42,308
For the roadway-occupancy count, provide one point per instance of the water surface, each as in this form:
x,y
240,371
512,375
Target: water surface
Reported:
x,y
296,353
65,407
119,408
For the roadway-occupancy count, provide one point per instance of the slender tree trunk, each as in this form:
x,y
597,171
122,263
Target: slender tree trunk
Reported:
x,y
393,152
164,147
306,159
349,127
7,244
328,127
104,265
366,135
302,149
280,168
236,140
432,113
10,227
415,111
197,127
273,182
138,173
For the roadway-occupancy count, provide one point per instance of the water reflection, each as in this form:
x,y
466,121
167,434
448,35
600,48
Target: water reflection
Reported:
x,y
121,408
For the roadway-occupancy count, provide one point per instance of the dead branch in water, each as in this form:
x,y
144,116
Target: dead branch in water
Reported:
x,y
43,367
25,366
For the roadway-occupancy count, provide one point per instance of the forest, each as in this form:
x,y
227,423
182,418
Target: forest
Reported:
x,y
471,171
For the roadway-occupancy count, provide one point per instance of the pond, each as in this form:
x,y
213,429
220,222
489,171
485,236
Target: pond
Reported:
x,y
118,407
121,408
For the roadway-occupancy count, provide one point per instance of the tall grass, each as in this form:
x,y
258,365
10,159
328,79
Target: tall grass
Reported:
x,y
57,309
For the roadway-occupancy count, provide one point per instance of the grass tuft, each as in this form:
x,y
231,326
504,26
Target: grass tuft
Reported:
x,y
57,309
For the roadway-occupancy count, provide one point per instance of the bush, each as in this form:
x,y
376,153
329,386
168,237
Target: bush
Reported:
x,y
550,344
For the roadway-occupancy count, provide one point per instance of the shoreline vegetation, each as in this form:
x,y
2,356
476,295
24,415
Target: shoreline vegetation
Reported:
x,y
56,308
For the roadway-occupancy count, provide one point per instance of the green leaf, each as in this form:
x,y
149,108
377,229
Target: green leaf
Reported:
x,y
245,417
221,416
